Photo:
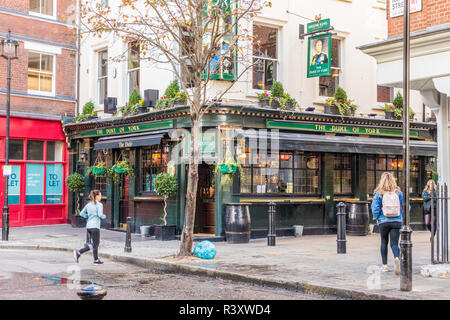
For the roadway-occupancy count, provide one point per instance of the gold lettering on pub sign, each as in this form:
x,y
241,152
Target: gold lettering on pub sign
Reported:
x,y
372,131
127,144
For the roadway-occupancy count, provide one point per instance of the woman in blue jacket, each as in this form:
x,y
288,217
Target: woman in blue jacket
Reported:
x,y
93,212
389,227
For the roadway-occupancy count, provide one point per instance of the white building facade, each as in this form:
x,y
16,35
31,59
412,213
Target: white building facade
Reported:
x,y
355,23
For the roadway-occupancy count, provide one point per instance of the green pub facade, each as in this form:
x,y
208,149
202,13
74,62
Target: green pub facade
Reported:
x,y
304,162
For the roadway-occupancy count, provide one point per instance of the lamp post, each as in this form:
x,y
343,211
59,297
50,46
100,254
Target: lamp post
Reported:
x,y
9,48
406,231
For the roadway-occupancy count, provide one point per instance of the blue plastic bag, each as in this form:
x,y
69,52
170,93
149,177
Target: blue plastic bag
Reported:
x,y
205,250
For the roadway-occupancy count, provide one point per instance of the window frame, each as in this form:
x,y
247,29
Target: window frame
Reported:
x,y
102,77
53,74
396,175
294,171
340,170
43,15
339,68
265,58
130,71
158,168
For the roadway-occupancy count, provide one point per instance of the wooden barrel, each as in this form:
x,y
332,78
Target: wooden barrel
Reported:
x,y
358,218
237,223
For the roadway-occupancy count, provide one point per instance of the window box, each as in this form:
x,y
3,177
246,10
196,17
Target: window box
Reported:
x,y
389,115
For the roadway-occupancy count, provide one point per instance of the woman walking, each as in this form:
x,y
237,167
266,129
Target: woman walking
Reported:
x,y
93,211
387,210
426,195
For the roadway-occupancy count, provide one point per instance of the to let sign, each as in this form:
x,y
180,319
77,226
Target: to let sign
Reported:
x,y
396,7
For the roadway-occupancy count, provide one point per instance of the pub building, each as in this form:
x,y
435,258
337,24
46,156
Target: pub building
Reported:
x,y
322,160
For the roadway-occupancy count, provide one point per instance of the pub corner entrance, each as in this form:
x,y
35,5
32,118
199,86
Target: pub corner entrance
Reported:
x,y
205,213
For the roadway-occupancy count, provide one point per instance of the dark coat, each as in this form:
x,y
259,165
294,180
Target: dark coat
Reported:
x,y
427,201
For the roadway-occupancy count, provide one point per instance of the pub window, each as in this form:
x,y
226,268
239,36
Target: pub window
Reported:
x,y
40,72
342,174
153,162
265,57
100,181
102,76
377,164
15,151
43,7
293,173
134,64
35,150
329,84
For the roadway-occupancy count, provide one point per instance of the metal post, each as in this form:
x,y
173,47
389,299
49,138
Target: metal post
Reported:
x,y
445,226
405,243
438,223
128,238
341,228
432,217
5,217
272,233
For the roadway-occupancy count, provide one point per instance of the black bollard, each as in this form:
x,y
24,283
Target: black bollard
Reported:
x,y
128,238
341,228
272,233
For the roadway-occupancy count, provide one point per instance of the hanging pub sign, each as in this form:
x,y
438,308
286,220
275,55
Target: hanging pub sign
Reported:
x,y
318,25
319,55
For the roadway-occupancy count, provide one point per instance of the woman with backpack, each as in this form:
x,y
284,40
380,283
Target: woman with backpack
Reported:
x,y
426,195
93,211
387,206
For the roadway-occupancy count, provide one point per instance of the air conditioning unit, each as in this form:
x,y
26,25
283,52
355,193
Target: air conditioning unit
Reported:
x,y
110,105
150,97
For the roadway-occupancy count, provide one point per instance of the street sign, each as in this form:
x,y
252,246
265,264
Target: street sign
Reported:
x,y
7,171
396,7
318,25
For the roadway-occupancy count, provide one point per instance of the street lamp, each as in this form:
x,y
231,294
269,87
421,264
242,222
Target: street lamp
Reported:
x,y
9,52
406,231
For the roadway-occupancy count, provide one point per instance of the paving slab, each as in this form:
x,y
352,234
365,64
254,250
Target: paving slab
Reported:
x,y
308,263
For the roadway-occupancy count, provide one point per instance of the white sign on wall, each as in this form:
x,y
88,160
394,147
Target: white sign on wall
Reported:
x,y
396,7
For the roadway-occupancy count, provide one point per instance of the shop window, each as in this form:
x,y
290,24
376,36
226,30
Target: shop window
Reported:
x,y
55,151
329,84
153,162
290,173
134,64
265,57
102,76
342,174
54,184
378,164
43,7
40,72
35,150
34,191
15,149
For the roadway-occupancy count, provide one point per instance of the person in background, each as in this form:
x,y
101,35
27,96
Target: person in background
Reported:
x,y
93,212
426,195
387,206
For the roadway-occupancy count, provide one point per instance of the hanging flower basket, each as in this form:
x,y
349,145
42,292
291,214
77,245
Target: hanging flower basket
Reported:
x,y
120,170
98,170
228,168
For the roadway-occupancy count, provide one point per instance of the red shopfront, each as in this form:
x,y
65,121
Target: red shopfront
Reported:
x,y
37,194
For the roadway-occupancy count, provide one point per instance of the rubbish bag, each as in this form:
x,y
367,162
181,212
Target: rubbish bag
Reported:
x,y
205,250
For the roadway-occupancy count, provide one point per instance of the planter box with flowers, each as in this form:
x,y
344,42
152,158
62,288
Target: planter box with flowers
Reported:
x,y
339,104
172,97
394,110
277,99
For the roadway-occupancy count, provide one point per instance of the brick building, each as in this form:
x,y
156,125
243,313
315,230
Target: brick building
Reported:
x,y
43,91
430,63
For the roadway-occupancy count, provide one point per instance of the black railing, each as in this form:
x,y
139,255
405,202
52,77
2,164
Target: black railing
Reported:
x,y
439,225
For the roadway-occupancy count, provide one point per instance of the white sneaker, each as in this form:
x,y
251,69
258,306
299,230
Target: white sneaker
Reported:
x,y
384,268
397,266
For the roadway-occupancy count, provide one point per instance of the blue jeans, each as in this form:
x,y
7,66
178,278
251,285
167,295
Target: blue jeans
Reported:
x,y
389,230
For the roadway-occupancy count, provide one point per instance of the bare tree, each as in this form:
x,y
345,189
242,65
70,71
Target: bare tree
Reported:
x,y
201,41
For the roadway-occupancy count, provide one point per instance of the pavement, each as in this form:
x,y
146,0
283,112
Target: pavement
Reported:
x,y
309,263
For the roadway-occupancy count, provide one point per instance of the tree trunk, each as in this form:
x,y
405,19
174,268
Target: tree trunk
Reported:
x,y
187,236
